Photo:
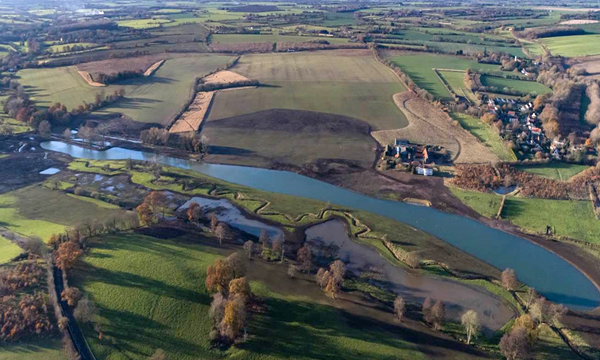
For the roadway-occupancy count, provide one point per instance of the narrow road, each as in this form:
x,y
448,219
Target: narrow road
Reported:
x,y
73,329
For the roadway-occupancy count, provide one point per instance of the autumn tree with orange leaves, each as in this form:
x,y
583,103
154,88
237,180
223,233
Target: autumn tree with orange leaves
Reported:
x,y
66,255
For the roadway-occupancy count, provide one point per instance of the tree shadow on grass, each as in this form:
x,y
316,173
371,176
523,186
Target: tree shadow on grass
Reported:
x,y
135,333
292,329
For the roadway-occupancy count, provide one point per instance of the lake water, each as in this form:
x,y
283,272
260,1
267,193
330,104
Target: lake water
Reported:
x,y
552,276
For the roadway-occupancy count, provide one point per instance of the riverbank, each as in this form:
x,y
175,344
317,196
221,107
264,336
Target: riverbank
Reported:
x,y
501,249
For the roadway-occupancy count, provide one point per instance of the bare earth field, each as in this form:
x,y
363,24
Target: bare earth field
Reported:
x,y
114,66
192,118
224,77
428,125
152,69
88,78
578,22
592,67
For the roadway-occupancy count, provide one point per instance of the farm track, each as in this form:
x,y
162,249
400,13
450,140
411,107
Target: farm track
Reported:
x,y
429,125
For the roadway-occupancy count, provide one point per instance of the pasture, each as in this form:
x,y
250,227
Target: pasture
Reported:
x,y
456,83
342,82
154,99
47,349
241,38
573,46
576,220
8,251
484,133
38,211
556,170
420,69
150,293
522,86
486,204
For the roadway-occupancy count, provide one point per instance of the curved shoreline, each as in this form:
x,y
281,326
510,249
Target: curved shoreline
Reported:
x,y
436,223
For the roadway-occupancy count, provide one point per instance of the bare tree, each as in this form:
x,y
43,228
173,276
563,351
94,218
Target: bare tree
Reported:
x,y
531,296
305,258
399,308
67,135
249,248
543,311
322,277
85,310
217,308
426,310
213,222
470,321
509,280
515,345
338,271
221,232
292,270
438,313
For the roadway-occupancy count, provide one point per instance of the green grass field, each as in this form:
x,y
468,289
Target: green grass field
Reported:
x,y
456,83
569,218
420,69
47,349
555,170
38,211
151,295
155,99
143,23
524,87
61,48
573,46
241,38
329,81
484,133
8,251
486,204
575,219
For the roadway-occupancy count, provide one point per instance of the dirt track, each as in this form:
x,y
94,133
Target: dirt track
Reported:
x,y
192,118
88,78
429,125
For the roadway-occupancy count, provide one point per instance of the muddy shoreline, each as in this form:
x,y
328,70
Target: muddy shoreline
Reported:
x,y
431,189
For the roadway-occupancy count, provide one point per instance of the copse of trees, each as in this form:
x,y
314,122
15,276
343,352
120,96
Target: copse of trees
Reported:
x,y
153,208
117,77
232,295
332,280
19,106
211,87
191,141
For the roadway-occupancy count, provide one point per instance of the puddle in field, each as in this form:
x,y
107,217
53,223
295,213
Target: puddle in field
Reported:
x,y
226,212
456,296
50,171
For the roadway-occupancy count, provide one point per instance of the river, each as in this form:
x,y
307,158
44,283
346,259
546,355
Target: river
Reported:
x,y
551,275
